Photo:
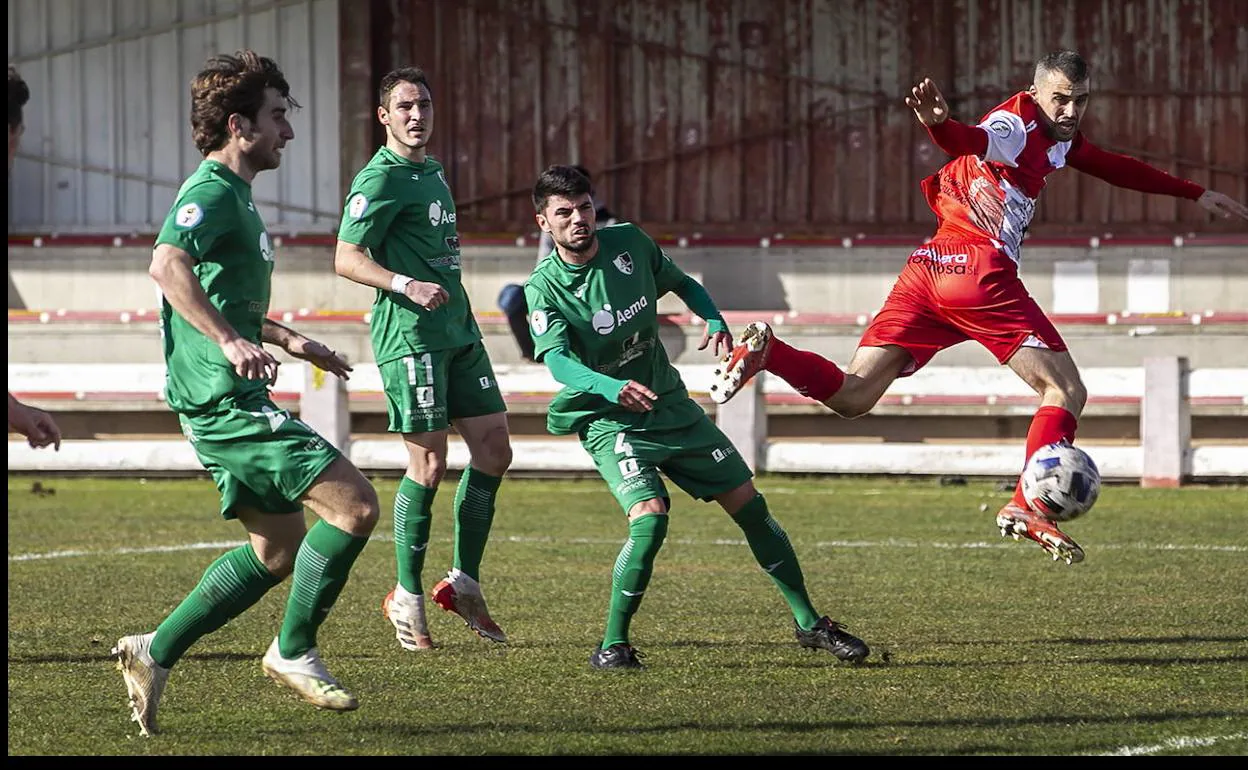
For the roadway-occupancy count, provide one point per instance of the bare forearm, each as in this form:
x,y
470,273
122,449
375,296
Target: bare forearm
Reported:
x,y
273,332
182,291
353,262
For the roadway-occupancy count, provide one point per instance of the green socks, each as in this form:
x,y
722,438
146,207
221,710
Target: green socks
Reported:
x,y
771,548
321,569
412,516
230,585
474,513
633,568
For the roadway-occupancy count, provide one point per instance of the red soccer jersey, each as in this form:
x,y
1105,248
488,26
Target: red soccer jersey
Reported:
x,y
994,197
989,190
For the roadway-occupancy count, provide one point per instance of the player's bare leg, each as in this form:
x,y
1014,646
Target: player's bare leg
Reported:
x,y
871,371
851,393
1055,377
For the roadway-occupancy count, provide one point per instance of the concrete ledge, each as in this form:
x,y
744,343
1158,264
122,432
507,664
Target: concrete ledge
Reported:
x,y
1132,276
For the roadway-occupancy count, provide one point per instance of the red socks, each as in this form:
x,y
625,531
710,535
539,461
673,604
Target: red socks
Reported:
x,y
1051,424
810,374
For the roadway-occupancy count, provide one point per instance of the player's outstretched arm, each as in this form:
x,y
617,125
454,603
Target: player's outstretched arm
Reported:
x,y
953,137
173,271
316,353
1134,174
35,424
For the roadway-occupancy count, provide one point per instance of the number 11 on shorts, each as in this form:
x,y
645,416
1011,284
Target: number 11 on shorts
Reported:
x,y
424,395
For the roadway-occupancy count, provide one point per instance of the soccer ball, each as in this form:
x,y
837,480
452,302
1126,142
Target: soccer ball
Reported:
x,y
1061,481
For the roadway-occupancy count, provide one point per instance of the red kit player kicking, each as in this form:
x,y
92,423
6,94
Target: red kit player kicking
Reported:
x,y
964,284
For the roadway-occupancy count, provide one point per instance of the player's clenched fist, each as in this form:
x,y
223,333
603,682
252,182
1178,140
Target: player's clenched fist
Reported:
x,y
636,397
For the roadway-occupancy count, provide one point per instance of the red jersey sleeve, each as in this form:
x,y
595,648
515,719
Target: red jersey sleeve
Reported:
x,y
1125,171
958,138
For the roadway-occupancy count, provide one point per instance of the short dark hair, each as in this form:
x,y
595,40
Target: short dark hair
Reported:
x,y
227,85
19,94
413,75
1068,63
560,180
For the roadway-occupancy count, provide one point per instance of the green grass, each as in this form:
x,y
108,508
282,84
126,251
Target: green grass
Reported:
x,y
975,650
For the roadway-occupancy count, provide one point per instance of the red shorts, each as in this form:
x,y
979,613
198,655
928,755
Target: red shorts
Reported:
x,y
953,291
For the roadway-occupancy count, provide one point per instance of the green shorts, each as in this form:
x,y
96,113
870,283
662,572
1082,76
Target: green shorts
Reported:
x,y
698,458
424,392
259,455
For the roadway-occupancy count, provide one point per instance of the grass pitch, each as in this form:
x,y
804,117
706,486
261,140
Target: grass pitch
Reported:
x,y
979,645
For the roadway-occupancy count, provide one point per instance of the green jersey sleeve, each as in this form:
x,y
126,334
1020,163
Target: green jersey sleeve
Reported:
x,y
667,274
202,215
370,209
546,322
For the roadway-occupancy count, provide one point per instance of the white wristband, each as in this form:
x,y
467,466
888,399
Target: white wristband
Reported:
x,y
399,282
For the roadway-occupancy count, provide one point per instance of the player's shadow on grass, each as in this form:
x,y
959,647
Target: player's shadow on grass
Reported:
x,y
726,644
391,727
1037,661
1148,640
1102,641
104,656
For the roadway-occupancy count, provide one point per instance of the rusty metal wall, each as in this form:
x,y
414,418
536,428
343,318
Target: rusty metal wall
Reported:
x,y
722,116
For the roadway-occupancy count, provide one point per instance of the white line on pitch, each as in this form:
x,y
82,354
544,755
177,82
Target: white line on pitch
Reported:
x,y
890,543
1172,744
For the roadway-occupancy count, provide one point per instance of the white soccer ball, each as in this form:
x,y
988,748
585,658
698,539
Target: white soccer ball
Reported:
x,y
1061,481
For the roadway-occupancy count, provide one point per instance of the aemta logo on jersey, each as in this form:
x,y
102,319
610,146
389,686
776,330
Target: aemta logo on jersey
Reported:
x,y
605,321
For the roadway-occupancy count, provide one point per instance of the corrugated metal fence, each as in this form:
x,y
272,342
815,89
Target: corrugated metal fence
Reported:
x,y
738,114
108,137
696,115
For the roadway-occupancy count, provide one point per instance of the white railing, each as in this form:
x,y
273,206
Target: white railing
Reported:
x,y
1162,391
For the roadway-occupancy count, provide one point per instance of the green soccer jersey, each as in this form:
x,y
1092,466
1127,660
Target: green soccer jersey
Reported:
x,y
215,221
604,315
403,213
